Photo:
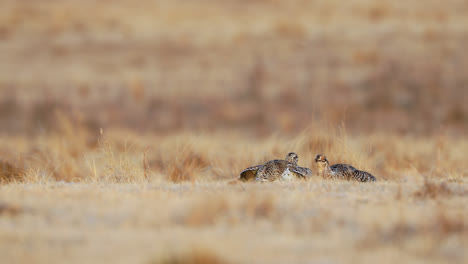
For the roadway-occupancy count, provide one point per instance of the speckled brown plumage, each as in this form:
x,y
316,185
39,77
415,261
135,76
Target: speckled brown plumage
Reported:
x,y
341,171
282,170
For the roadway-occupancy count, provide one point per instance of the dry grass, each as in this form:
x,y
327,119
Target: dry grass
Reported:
x,y
209,65
124,156
432,190
10,173
256,223
189,213
197,256
123,126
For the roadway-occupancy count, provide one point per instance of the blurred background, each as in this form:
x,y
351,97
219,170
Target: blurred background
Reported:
x,y
249,66
188,93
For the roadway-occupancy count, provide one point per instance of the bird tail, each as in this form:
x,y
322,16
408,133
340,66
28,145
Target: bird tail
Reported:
x,y
366,177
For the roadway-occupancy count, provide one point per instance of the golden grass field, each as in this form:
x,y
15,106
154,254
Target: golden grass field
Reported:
x,y
99,204
123,126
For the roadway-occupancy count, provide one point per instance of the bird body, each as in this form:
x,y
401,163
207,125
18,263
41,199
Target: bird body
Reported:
x,y
276,170
341,171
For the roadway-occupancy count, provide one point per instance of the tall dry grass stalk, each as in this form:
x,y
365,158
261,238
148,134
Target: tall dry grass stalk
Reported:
x,y
123,156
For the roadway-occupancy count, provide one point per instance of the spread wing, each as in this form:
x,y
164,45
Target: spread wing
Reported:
x,y
301,172
250,173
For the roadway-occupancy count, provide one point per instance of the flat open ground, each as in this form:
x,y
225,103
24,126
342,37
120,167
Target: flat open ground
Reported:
x,y
170,199
303,222
123,123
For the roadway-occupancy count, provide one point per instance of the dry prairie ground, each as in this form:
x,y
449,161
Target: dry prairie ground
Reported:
x,y
304,222
189,93
81,202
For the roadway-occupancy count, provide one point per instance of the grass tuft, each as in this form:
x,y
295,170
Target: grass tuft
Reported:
x,y
10,173
196,256
433,190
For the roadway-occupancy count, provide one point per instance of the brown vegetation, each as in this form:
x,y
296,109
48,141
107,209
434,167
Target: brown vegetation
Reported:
x,y
432,190
10,173
123,126
9,209
197,256
213,221
259,67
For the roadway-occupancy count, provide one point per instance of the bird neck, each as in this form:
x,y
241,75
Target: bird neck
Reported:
x,y
324,169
